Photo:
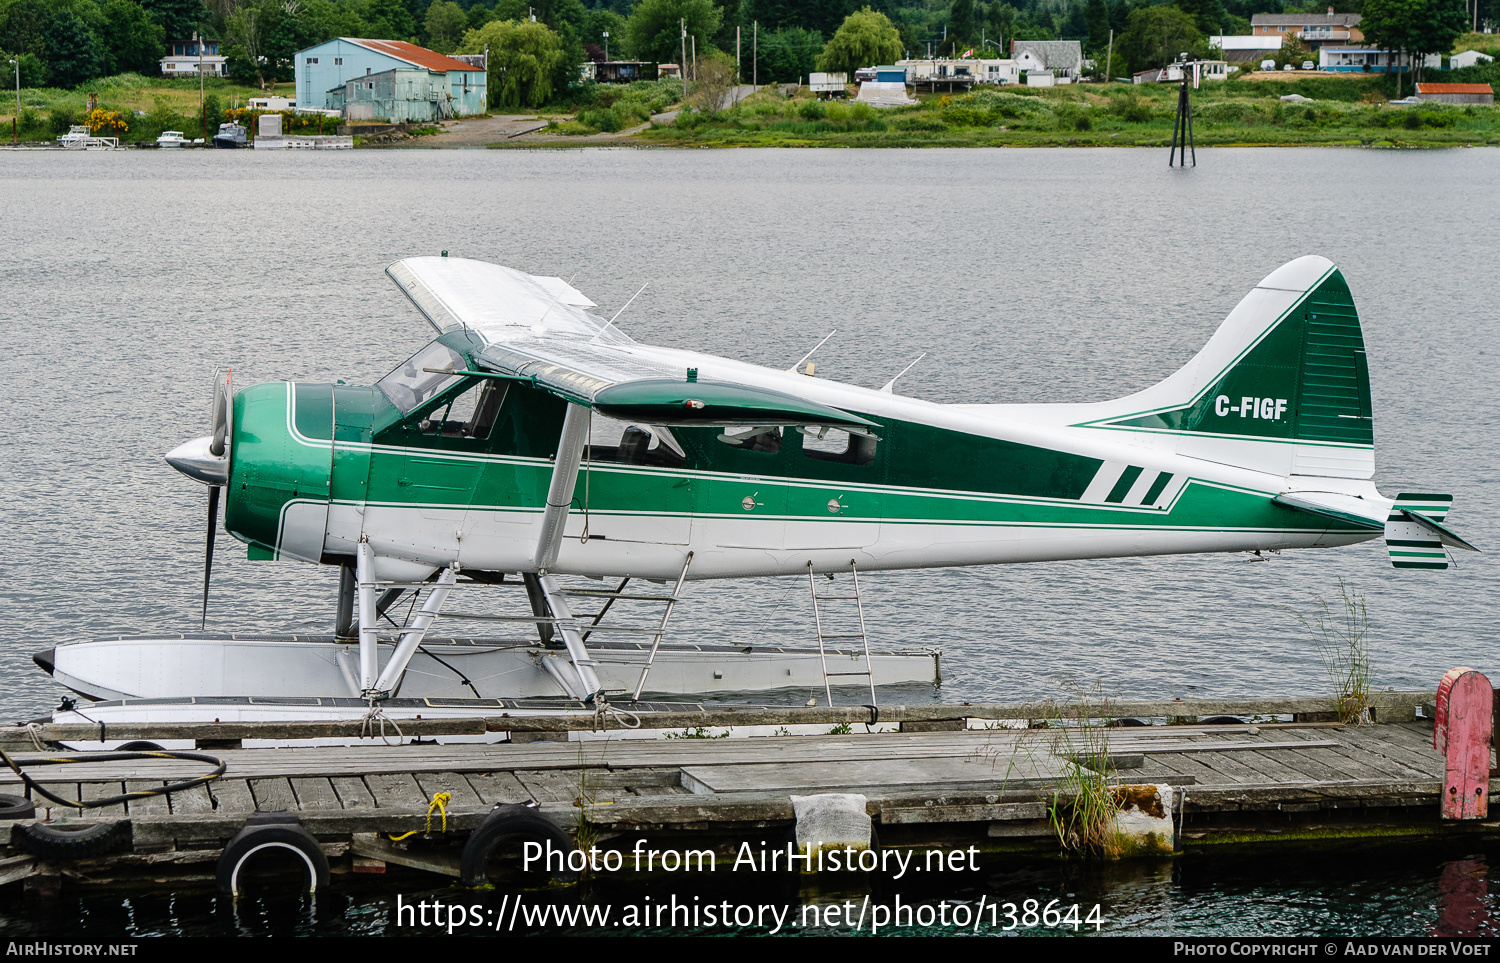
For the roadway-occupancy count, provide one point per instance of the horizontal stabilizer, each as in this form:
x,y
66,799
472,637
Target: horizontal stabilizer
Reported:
x,y
1415,533
1349,509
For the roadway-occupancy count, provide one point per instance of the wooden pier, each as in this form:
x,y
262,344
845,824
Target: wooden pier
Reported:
x,y
969,775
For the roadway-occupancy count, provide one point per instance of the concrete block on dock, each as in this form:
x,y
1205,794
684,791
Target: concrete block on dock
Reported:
x,y
1144,820
831,822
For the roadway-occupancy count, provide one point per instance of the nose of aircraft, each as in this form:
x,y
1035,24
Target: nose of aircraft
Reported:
x,y
196,460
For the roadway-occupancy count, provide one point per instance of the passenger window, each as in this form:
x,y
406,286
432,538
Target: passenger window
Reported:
x,y
767,440
835,444
469,414
631,444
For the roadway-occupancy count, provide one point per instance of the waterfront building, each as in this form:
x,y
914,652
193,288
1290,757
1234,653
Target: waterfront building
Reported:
x,y
188,57
389,79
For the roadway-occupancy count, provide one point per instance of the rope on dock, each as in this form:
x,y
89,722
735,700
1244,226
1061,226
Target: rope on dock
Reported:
x,y
33,786
440,803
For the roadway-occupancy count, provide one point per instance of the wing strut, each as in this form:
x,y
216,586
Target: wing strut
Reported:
x,y
575,434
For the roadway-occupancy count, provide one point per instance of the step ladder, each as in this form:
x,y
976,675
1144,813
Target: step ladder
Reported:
x,y
618,594
825,637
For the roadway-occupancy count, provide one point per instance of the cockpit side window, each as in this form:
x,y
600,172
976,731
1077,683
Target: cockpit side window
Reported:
x,y
765,440
632,444
835,444
468,414
422,376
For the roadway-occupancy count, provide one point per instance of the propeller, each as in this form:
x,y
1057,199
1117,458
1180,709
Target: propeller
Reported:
x,y
206,460
218,447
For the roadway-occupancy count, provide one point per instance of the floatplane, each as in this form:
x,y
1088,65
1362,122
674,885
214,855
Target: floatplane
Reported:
x,y
533,441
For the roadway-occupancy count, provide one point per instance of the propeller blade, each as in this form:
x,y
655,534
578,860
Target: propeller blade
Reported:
x,y
208,547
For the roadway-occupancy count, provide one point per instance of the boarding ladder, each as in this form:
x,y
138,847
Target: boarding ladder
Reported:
x,y
618,594
824,637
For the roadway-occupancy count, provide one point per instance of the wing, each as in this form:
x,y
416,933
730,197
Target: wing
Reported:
x,y
536,329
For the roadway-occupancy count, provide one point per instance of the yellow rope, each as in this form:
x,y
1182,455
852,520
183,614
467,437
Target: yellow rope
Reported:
x,y
439,803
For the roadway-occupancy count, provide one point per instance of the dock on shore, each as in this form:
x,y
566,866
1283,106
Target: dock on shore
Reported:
x,y
984,776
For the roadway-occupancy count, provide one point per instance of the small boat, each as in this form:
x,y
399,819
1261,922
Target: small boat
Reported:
x,y
80,137
231,136
171,138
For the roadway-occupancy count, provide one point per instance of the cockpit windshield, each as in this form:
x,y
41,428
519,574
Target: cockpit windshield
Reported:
x,y
421,376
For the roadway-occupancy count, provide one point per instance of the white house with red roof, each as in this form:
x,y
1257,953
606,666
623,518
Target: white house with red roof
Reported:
x,y
411,81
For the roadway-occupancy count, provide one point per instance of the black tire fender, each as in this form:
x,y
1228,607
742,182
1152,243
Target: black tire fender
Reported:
x,y
273,831
16,807
69,841
508,823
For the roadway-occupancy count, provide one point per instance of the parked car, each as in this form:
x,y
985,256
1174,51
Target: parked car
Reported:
x,y
1268,65
1290,67
1307,65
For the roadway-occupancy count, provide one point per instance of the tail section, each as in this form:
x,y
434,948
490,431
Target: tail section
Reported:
x,y
1282,386
1287,366
1415,534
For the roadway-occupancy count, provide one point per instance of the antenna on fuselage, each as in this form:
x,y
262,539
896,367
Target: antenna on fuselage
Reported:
x,y
619,312
555,298
890,386
793,368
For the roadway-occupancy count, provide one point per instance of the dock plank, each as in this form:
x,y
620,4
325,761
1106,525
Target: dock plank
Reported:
x,y
352,792
396,791
550,786
498,787
1398,743
232,797
1203,774
100,790
193,800
315,793
273,795
461,795
1349,757
150,805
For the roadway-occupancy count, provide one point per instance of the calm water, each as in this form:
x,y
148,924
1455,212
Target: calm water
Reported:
x,y
1045,275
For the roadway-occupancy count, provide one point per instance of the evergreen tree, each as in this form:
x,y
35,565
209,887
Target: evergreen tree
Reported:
x,y
179,19
1097,16
963,30
73,52
131,40
654,31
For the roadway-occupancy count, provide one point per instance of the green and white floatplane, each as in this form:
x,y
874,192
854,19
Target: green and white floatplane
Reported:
x,y
532,441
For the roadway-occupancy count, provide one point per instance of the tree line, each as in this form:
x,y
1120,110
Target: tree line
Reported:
x,y
540,44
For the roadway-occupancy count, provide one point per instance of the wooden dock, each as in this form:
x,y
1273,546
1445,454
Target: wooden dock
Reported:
x,y
945,780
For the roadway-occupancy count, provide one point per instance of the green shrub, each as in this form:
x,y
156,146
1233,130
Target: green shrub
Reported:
x,y
1131,109
810,110
601,119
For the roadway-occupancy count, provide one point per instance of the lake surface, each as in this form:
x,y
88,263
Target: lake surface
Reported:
x,y
1045,275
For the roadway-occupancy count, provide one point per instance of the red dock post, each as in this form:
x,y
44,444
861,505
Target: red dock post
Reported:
x,y
1461,732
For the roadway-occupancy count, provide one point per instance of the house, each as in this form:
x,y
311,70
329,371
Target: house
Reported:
x,y
1173,73
411,82
1246,48
1468,58
886,89
974,70
1313,29
1369,60
1062,58
1456,93
188,57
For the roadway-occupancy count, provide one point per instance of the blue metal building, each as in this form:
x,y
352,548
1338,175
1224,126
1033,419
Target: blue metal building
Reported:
x,y
453,87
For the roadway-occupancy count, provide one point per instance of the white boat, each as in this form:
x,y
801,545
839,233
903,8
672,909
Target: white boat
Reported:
x,y
79,137
171,138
